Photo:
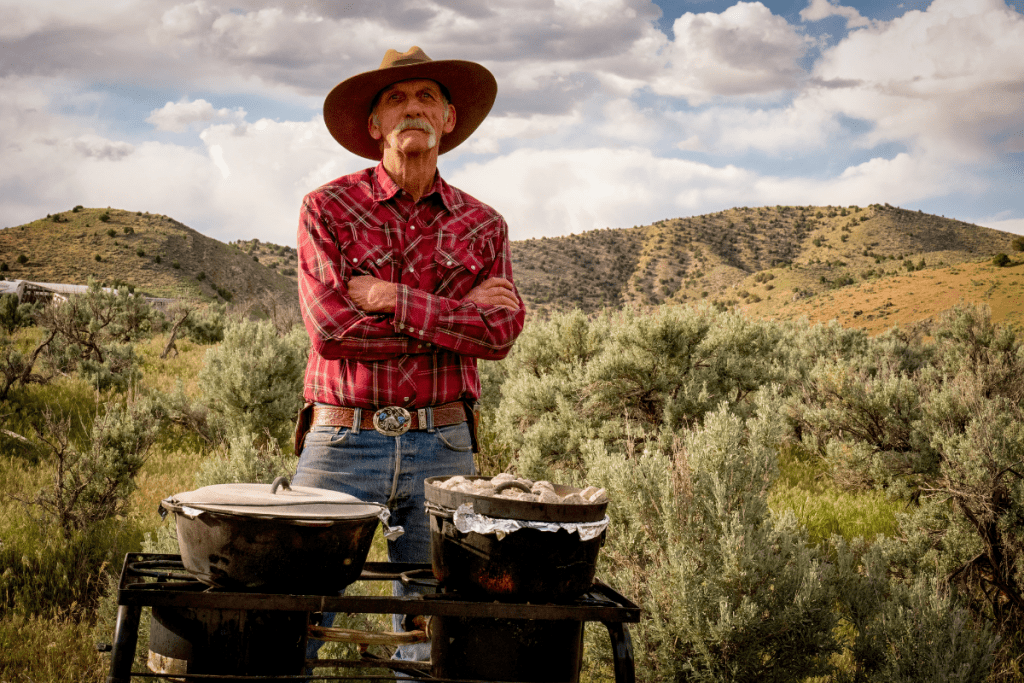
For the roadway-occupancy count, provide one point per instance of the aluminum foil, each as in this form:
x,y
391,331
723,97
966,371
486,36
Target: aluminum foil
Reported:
x,y
466,520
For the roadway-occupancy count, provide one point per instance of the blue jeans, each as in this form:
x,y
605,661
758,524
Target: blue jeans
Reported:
x,y
389,470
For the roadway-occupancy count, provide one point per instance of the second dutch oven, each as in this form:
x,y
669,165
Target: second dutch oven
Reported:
x,y
548,560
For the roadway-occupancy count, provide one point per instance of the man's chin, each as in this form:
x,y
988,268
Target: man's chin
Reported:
x,y
414,144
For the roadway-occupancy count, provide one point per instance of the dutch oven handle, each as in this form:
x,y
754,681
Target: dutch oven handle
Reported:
x,y
280,481
512,485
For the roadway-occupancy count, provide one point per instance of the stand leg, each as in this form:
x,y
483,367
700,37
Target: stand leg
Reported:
x,y
622,653
126,636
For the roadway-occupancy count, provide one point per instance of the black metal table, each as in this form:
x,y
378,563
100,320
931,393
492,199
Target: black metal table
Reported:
x,y
145,582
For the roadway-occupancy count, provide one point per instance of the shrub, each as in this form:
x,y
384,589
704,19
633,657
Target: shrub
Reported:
x,y
941,427
253,380
1018,243
140,252
740,595
111,232
14,315
105,217
93,333
1000,260
22,259
157,260
129,230
206,326
94,484
175,265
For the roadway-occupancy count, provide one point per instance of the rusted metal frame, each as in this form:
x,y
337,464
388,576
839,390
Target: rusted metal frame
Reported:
x,y
622,652
439,606
126,633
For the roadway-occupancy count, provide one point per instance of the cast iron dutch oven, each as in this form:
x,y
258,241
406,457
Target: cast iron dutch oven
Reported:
x,y
526,565
273,538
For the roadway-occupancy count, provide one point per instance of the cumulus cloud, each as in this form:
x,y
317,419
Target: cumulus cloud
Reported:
x,y
822,9
947,79
745,50
601,120
561,191
178,116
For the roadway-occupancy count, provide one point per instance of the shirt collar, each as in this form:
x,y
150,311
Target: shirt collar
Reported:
x,y
385,188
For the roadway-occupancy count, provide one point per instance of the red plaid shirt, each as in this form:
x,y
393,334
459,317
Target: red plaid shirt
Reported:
x,y
436,249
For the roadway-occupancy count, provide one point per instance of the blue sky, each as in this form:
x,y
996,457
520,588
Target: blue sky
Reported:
x,y
610,113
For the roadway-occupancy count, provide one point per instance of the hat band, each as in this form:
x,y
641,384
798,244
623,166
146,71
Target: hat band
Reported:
x,y
407,62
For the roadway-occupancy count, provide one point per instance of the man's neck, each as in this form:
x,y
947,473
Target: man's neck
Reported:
x,y
414,174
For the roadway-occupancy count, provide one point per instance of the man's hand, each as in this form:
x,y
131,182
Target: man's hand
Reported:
x,y
496,291
373,295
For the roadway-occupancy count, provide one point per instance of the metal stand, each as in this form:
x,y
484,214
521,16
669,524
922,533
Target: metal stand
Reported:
x,y
168,589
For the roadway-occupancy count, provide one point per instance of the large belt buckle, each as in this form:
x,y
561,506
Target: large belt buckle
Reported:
x,y
392,420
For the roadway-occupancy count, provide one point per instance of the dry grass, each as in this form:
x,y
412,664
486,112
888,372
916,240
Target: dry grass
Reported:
x,y
905,299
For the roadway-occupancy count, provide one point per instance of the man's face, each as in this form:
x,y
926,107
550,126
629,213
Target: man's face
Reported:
x,y
410,116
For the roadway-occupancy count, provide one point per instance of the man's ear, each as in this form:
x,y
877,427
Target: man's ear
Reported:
x,y
374,128
449,124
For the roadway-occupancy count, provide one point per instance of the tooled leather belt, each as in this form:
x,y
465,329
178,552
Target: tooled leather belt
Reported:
x,y
391,420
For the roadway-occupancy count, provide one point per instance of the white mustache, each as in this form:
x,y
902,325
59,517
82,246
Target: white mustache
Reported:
x,y
415,124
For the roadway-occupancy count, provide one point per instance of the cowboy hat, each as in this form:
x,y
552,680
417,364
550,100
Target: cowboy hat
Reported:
x,y
347,107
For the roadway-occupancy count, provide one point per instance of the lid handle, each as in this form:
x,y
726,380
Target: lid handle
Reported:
x,y
280,481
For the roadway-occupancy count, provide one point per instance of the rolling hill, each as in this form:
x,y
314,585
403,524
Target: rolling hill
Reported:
x,y
155,254
869,267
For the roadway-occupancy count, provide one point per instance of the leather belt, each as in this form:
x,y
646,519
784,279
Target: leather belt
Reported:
x,y
391,420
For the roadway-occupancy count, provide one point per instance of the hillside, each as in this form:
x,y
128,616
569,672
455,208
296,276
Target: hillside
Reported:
x,y
868,267
155,254
780,262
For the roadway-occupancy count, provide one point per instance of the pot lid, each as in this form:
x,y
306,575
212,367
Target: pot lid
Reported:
x,y
279,500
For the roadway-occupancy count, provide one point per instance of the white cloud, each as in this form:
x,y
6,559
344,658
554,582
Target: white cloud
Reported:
x,y
745,50
177,116
1014,225
822,9
585,131
246,181
947,79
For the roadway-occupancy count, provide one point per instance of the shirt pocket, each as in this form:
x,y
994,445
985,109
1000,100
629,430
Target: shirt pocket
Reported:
x,y
458,267
369,259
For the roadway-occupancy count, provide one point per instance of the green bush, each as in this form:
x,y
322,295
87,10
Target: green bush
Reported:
x,y
1001,260
206,326
939,427
93,483
252,381
105,217
14,315
731,592
22,259
94,333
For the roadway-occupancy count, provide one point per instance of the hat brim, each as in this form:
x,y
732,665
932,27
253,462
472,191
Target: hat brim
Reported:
x,y
347,107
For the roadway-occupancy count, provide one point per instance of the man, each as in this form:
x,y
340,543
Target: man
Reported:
x,y
404,281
